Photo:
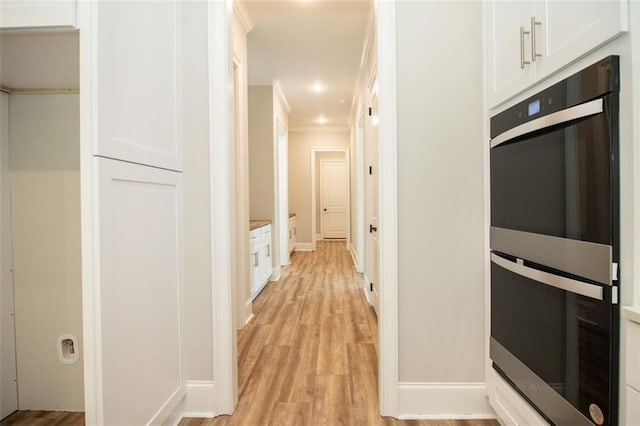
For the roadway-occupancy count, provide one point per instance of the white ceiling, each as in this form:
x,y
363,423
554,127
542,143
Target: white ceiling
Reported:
x,y
301,42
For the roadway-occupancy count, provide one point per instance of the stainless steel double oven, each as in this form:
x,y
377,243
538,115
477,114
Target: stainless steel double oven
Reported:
x,y
555,247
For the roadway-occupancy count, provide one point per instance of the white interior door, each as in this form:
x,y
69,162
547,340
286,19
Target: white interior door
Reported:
x,y
8,385
371,204
333,196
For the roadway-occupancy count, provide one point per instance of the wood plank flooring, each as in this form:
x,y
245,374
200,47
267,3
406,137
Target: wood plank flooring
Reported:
x,y
309,355
44,418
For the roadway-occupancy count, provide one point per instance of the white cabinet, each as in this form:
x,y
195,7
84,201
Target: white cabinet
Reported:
x,y
633,354
21,14
140,288
292,233
260,249
633,407
559,32
630,357
139,75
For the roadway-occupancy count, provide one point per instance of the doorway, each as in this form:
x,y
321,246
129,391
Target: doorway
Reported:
x,y
335,197
41,290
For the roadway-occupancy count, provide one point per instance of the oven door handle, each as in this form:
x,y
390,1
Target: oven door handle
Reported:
x,y
583,110
568,284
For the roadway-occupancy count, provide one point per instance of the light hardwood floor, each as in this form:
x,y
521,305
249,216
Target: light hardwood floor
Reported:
x,y
309,355
44,418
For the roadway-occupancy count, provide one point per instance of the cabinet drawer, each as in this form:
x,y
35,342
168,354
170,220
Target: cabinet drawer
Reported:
x,y
633,407
255,236
266,233
633,355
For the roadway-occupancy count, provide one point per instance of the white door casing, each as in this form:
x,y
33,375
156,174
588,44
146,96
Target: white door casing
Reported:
x,y
371,204
282,195
333,196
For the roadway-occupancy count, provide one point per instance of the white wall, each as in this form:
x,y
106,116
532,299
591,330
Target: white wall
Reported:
x,y
45,197
261,153
440,193
300,145
197,211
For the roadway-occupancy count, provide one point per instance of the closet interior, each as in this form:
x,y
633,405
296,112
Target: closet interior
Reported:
x,y
40,294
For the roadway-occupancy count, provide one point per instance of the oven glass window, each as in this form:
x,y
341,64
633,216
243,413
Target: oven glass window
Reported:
x,y
564,338
556,183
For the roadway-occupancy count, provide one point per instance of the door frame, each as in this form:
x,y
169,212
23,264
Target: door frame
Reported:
x,y
225,357
388,365
314,189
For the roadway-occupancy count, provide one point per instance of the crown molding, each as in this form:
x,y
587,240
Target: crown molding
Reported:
x,y
241,11
278,89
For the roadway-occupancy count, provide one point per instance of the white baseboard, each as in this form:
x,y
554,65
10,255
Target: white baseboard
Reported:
x,y
304,246
443,401
276,274
200,399
365,285
354,257
171,412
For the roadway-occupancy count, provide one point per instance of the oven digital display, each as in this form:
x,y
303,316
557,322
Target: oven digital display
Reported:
x,y
534,107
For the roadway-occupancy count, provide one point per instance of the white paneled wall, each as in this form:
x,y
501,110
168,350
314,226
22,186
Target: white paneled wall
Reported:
x,y
140,210
135,288
138,82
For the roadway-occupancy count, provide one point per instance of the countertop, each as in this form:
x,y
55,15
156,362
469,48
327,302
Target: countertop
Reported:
x,y
631,313
258,223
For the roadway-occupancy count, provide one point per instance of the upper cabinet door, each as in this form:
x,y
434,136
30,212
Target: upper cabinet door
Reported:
x,y
138,83
529,40
23,14
508,48
569,30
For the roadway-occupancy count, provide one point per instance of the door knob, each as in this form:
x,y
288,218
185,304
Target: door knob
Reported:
x,y
324,210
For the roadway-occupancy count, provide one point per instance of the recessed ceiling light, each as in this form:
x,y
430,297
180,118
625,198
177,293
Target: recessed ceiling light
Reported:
x,y
321,120
318,87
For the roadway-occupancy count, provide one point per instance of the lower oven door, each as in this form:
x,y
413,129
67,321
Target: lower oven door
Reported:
x,y
554,339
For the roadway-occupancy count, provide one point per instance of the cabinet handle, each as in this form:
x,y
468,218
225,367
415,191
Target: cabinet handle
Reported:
x,y
255,259
522,61
534,54
268,250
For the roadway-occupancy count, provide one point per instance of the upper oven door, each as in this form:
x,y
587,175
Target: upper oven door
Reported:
x,y
552,191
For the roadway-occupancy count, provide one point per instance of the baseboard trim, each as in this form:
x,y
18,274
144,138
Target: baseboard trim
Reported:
x,y
354,257
276,274
200,399
424,401
304,246
365,284
171,412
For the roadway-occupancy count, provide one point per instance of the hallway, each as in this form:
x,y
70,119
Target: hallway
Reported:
x,y
309,355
